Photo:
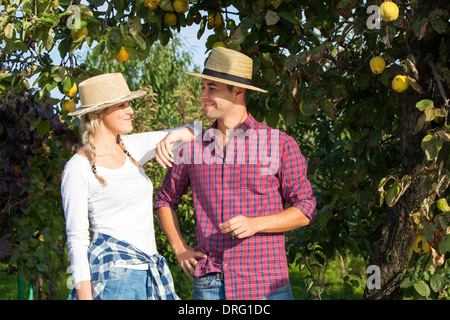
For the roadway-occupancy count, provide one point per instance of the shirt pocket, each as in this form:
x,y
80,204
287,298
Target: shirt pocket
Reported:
x,y
253,178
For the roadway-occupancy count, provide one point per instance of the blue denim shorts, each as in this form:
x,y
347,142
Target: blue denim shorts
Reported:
x,y
126,284
211,287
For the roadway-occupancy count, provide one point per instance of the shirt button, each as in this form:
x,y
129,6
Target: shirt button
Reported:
x,y
226,184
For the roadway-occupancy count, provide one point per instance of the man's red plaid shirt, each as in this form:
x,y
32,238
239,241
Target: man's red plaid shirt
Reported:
x,y
263,169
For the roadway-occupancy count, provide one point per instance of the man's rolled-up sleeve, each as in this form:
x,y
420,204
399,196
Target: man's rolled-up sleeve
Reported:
x,y
175,184
296,187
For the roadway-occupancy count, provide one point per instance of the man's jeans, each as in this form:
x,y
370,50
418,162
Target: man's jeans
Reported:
x,y
209,287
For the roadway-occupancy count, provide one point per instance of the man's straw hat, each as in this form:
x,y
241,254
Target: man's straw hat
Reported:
x,y
103,91
230,67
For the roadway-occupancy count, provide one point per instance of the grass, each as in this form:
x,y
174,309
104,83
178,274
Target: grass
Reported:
x,y
8,285
337,288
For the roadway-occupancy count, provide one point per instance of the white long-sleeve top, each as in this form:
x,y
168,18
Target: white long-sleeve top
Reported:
x,y
122,209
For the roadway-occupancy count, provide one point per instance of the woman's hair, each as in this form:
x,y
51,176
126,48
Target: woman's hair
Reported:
x,y
90,123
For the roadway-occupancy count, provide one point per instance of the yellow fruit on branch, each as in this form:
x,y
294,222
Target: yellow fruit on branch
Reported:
x,y
400,83
170,19
219,44
180,6
424,248
73,91
151,4
78,33
388,11
214,19
68,105
377,65
123,55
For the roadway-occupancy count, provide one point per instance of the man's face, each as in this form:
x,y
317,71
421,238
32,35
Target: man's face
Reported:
x,y
217,99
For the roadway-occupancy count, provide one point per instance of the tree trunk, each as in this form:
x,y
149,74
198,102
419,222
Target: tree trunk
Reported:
x,y
394,248
394,251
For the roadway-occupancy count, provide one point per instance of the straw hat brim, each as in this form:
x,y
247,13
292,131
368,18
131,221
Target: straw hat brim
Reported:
x,y
230,82
96,107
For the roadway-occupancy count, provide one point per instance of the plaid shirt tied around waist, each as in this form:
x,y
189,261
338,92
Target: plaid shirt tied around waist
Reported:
x,y
105,252
262,171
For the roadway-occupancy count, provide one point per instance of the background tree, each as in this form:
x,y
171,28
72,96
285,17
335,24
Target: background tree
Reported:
x,y
378,155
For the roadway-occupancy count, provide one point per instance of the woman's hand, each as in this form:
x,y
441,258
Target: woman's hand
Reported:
x,y
164,155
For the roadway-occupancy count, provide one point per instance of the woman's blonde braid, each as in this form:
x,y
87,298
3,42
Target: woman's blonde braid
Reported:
x,y
121,144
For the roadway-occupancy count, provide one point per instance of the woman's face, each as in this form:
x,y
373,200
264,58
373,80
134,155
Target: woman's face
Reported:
x,y
117,118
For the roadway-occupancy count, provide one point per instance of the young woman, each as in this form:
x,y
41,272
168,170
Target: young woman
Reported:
x,y
104,188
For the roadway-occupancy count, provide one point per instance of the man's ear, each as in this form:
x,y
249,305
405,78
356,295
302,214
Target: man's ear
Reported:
x,y
239,93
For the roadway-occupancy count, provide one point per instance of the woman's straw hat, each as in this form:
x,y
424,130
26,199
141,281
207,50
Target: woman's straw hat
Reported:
x,y
103,91
230,67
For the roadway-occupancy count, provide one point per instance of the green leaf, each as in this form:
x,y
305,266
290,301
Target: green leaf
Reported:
x,y
443,205
309,107
20,45
290,17
316,290
422,288
392,193
439,25
291,62
49,40
407,282
328,107
324,215
99,49
444,245
431,145
437,282
139,40
430,114
4,75
67,84
238,36
135,24
40,267
44,127
258,6
50,18
272,117
424,104
9,31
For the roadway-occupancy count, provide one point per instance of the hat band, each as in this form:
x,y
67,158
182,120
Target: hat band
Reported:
x,y
226,76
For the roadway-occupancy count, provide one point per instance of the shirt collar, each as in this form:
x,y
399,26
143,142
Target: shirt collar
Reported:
x,y
248,123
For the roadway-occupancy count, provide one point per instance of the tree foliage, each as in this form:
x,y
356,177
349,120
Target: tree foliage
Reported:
x,y
378,159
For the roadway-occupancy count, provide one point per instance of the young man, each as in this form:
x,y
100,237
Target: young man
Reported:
x,y
242,173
